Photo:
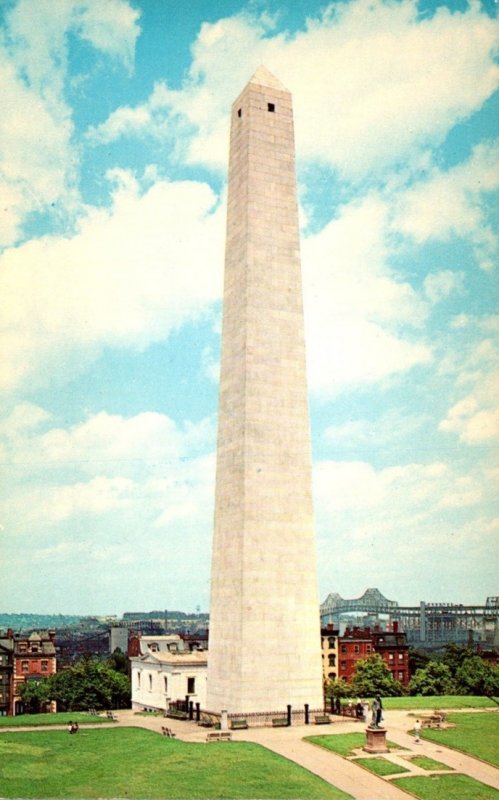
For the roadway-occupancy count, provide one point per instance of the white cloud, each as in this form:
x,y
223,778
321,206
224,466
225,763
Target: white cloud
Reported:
x,y
395,527
440,285
451,204
359,316
38,162
372,82
128,277
474,416
389,427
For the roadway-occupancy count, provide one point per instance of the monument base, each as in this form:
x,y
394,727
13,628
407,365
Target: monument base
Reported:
x,y
375,741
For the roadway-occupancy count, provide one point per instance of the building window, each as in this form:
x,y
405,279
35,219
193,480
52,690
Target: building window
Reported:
x,y
390,656
343,648
332,661
165,680
271,107
401,656
150,683
191,685
138,680
343,665
401,676
368,648
45,666
332,641
239,112
25,666
154,647
356,648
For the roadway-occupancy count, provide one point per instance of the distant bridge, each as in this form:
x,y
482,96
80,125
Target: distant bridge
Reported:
x,y
431,624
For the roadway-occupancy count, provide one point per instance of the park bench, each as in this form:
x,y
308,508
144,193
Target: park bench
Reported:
x,y
238,724
174,714
322,719
167,732
218,736
110,715
432,721
280,722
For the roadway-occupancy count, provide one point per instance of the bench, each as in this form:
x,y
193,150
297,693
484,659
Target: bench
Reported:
x,y
322,719
238,724
110,715
177,714
219,736
167,732
280,722
432,721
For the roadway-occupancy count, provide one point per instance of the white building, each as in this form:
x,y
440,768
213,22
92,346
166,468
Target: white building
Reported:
x,y
165,671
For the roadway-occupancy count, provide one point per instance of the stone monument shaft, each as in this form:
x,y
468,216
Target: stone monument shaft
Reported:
x,y
264,650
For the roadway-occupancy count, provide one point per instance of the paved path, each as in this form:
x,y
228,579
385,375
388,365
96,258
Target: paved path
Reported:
x,y
340,772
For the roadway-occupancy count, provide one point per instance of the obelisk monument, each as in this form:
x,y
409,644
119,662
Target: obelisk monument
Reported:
x,y
264,645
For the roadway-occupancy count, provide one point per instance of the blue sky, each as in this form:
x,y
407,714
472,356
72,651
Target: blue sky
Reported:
x,y
113,158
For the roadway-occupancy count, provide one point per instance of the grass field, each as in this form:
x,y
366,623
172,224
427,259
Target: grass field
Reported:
x,y
35,720
136,763
437,702
380,766
425,762
446,787
476,734
344,744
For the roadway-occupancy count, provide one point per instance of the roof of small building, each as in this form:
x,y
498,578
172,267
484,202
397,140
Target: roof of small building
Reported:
x,y
187,658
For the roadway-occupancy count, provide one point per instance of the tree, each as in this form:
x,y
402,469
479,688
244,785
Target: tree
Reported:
x,y
90,684
476,676
454,655
35,695
435,678
338,688
372,676
418,659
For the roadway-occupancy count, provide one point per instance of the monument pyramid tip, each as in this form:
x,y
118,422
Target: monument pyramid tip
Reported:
x,y
263,77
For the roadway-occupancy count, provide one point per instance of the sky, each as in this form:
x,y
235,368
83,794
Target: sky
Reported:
x,y
113,175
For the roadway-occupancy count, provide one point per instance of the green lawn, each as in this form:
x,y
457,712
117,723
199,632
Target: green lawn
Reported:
x,y
380,766
344,744
446,787
136,763
425,762
437,702
34,720
476,734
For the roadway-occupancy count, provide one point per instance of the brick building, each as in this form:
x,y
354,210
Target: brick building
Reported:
x,y
394,650
34,659
6,673
359,643
354,645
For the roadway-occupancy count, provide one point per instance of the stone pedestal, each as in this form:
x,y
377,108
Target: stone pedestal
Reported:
x,y
375,741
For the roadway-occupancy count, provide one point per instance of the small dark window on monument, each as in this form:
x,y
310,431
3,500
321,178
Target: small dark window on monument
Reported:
x,y
239,112
270,107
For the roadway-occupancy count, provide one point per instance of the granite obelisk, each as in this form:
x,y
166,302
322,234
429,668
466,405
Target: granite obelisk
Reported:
x,y
264,647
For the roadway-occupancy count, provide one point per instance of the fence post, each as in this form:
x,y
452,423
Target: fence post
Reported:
x,y
289,716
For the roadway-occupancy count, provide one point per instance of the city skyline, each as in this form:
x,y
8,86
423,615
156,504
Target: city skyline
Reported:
x,y
115,135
